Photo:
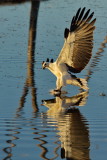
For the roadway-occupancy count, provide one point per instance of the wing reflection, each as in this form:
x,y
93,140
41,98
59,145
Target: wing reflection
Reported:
x,y
72,126
96,59
74,136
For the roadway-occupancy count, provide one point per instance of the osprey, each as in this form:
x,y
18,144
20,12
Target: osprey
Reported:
x,y
76,51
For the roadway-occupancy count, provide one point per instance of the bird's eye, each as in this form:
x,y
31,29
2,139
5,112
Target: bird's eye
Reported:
x,y
42,62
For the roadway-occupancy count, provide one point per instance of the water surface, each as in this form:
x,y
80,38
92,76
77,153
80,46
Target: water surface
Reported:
x,y
33,123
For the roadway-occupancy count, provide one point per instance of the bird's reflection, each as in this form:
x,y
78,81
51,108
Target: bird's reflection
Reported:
x,y
61,103
72,126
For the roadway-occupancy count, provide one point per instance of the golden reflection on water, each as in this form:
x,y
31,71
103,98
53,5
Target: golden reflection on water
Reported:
x,y
71,125
61,103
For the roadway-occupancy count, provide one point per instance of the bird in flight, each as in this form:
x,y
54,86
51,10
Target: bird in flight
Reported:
x,y
76,51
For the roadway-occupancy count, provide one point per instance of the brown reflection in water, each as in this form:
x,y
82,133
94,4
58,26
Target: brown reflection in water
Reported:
x,y
13,2
41,143
96,59
11,137
40,137
30,82
72,126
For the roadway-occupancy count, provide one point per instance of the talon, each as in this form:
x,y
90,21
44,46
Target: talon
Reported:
x,y
57,90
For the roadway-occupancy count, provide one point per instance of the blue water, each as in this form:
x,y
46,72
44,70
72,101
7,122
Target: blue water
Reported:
x,y
33,123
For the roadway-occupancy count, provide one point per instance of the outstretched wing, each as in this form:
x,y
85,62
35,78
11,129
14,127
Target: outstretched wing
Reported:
x,y
77,49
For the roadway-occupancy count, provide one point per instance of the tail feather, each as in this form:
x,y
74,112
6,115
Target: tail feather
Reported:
x,y
80,82
84,84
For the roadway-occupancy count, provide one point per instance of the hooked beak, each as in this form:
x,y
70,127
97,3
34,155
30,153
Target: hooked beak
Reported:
x,y
43,67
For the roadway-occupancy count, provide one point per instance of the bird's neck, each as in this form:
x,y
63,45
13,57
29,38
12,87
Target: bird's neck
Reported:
x,y
52,67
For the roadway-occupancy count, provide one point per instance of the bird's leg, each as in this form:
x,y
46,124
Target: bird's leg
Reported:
x,y
58,85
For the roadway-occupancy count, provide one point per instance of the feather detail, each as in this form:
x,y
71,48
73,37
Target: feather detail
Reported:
x,y
77,49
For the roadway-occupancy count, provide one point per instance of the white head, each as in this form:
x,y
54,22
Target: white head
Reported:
x,y
45,64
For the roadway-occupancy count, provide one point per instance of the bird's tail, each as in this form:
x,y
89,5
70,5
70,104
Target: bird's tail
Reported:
x,y
84,84
80,82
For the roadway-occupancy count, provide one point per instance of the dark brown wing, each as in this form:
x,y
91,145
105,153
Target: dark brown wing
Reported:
x,y
77,49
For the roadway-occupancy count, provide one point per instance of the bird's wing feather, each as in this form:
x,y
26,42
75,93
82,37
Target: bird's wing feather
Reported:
x,y
77,48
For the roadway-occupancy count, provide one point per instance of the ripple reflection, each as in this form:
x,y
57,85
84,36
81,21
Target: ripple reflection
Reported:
x,y
71,125
96,59
11,134
30,82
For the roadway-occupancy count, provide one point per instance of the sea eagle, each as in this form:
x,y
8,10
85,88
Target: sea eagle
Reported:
x,y
76,51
